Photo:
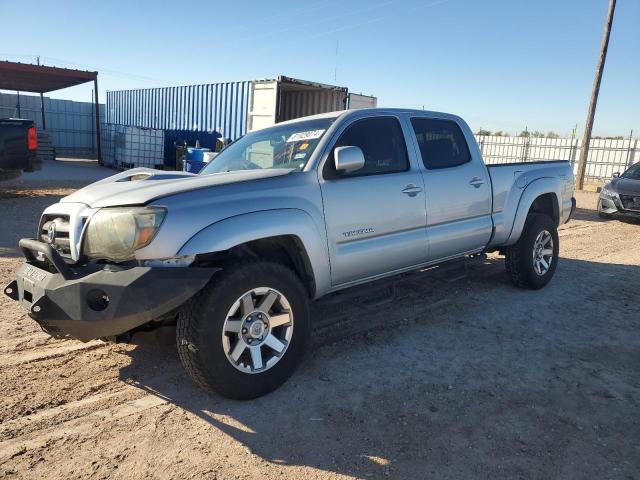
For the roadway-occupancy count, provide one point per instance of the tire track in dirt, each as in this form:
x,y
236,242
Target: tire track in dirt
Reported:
x,y
39,380
42,419
77,426
48,352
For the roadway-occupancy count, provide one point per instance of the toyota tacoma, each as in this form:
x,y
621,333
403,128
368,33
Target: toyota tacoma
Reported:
x,y
232,257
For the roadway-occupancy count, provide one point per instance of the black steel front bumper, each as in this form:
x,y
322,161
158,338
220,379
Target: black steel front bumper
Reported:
x,y
97,300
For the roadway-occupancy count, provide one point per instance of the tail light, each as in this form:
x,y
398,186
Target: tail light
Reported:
x,y
32,138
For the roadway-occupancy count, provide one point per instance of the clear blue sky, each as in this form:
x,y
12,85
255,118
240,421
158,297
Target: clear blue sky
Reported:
x,y
501,64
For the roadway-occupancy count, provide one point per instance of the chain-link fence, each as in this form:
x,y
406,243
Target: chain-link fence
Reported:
x,y
606,156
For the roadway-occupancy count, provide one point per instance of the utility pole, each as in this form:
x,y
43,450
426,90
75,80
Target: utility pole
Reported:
x,y
584,151
44,121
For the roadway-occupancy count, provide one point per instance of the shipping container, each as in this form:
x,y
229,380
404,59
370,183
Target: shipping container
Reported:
x,y
218,107
273,101
226,109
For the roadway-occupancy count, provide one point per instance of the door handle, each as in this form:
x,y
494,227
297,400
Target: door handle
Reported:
x,y
411,190
476,182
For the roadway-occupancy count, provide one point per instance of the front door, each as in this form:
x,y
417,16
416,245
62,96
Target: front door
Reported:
x,y
375,217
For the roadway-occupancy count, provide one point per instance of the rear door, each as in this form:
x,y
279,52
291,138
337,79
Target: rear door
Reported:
x,y
457,186
375,217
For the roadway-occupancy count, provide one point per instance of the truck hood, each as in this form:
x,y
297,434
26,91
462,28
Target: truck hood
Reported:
x,y
142,185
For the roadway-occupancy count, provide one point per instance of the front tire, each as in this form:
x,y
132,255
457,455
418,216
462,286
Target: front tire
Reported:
x,y
244,334
532,261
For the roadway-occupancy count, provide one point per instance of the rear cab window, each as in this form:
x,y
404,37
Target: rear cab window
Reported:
x,y
441,142
382,143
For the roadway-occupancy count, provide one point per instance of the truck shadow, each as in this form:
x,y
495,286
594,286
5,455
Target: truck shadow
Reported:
x,y
442,381
587,215
592,216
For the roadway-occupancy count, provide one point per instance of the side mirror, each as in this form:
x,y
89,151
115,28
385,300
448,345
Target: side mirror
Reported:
x,y
616,174
348,159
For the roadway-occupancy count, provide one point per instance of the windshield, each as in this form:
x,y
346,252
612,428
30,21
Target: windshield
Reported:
x,y
633,172
282,146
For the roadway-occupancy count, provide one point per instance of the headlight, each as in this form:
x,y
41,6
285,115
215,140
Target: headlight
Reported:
x,y
607,192
116,233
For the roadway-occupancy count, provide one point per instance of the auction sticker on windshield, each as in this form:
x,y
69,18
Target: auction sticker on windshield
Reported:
x,y
308,135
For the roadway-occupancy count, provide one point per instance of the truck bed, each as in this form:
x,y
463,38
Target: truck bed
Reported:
x,y
506,198
505,175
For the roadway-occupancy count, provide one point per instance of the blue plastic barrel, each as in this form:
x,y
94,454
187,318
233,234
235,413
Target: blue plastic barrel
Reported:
x,y
195,159
196,154
193,166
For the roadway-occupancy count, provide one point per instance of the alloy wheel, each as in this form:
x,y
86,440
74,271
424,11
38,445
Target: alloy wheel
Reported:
x,y
542,252
257,330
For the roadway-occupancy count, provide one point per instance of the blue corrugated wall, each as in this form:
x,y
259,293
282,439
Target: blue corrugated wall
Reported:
x,y
215,107
72,125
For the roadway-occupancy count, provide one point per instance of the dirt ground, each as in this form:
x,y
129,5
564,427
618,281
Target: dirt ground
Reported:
x,y
460,376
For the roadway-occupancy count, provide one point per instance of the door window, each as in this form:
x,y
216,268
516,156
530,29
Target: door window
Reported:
x,y
382,144
441,142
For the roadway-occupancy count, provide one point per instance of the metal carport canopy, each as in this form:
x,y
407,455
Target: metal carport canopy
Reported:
x,y
24,77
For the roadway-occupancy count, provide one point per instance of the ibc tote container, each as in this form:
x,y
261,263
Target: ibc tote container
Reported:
x,y
227,109
129,147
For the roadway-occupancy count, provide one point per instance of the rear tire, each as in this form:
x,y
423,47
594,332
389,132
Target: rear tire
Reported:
x,y
532,261
223,345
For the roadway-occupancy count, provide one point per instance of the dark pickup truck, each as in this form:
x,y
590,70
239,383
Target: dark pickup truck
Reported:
x,y
18,145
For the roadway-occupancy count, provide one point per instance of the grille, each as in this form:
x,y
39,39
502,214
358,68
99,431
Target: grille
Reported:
x,y
630,202
61,241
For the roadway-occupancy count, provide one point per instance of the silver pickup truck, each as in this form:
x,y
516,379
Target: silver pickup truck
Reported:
x,y
233,257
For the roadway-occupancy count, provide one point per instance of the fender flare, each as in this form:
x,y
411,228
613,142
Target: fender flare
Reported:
x,y
535,189
239,229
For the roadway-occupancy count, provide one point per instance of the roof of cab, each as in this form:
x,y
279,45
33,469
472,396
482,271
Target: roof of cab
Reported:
x,y
361,111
